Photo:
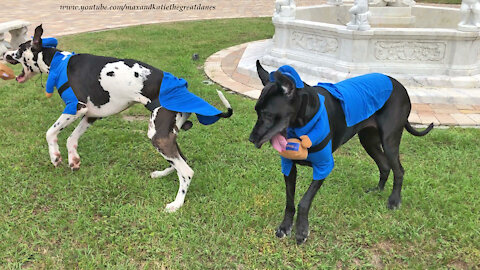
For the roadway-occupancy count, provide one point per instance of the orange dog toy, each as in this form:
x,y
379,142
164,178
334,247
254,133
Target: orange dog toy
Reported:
x,y
6,73
297,149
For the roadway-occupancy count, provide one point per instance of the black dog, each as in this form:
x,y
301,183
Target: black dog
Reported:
x,y
105,86
279,107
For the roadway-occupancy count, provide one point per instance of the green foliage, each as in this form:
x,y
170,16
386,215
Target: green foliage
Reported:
x,y
110,213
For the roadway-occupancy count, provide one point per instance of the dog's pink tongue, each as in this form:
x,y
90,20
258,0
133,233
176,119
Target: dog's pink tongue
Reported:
x,y
279,142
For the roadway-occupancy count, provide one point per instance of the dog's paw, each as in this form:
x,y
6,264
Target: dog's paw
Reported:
x,y
172,207
158,174
302,236
56,159
374,189
75,164
302,230
282,231
394,202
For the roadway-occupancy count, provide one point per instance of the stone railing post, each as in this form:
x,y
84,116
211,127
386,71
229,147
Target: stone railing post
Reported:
x,y
19,36
4,46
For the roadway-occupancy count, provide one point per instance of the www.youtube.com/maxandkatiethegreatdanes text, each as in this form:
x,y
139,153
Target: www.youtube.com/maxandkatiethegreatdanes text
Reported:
x,y
129,7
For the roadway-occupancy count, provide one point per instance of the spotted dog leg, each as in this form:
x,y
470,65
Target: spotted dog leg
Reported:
x,y
62,122
180,119
163,133
72,142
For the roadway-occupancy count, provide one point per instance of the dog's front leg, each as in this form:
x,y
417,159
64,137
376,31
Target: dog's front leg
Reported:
x,y
304,208
285,227
72,142
63,121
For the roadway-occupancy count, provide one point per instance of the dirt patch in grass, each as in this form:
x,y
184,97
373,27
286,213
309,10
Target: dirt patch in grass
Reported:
x,y
131,118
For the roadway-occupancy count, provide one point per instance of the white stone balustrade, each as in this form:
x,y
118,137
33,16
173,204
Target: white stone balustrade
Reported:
x,y
18,33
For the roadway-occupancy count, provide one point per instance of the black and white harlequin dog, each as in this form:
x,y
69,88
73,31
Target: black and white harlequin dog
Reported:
x,y
105,86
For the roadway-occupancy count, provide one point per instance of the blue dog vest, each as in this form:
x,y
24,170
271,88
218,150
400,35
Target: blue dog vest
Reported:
x,y
360,97
175,96
57,78
317,129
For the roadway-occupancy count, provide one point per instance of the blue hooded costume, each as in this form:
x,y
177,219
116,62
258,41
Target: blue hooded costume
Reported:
x,y
174,94
360,97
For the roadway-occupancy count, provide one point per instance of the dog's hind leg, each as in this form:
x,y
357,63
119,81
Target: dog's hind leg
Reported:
x,y
72,142
303,209
391,145
370,140
285,227
62,122
180,120
162,131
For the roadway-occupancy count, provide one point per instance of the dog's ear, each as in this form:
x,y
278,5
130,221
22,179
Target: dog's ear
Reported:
x,y
262,73
37,39
287,85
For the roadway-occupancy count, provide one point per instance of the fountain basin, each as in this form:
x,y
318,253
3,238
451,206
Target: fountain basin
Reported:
x,y
429,53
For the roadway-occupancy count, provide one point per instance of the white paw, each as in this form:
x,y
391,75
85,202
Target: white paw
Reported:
x,y
172,207
158,174
56,159
74,163
144,100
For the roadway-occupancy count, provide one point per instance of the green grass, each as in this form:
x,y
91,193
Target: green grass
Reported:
x,y
110,213
458,2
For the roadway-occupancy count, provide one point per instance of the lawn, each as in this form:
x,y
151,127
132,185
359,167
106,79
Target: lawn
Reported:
x,y
109,214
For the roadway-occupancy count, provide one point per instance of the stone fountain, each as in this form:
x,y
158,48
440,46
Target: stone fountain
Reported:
x,y
422,46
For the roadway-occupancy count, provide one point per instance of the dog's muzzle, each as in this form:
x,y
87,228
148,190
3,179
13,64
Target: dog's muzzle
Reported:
x,y
10,59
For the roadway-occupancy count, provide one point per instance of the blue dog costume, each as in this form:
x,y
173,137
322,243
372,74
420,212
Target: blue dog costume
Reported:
x,y
57,78
360,97
174,94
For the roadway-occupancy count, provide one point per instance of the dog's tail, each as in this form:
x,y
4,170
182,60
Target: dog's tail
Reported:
x,y
227,104
415,132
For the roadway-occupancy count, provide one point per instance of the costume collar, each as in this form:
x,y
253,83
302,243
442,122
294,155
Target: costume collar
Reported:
x,y
291,73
